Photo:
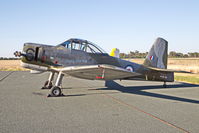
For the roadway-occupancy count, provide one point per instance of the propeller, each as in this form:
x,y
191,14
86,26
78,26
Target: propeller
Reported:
x,y
18,54
29,55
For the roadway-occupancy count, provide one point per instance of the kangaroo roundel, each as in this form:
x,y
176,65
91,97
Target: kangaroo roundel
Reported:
x,y
129,68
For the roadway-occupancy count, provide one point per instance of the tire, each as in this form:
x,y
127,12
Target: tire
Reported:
x,y
55,91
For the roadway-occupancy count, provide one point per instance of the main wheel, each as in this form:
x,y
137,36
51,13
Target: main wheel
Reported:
x,y
55,91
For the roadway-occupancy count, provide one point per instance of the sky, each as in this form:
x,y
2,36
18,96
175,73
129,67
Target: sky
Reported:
x,y
128,25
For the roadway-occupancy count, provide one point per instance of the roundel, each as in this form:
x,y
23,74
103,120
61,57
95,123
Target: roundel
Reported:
x,y
30,54
129,68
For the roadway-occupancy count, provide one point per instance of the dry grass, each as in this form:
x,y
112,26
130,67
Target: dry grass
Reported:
x,y
10,65
187,64
190,65
189,78
137,60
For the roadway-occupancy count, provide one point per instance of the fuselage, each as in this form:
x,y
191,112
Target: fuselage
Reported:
x,y
42,57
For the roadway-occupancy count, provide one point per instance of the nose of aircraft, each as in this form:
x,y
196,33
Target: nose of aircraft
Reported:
x,y
29,52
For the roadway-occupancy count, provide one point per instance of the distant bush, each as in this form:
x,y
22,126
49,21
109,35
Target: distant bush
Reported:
x,y
133,54
172,54
12,58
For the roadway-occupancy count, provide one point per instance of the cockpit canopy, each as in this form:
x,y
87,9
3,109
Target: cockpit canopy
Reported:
x,y
83,45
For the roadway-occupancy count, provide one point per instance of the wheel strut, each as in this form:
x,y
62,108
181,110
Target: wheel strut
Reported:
x,y
48,84
56,91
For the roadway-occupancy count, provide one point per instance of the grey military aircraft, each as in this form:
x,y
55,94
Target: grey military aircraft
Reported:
x,y
83,59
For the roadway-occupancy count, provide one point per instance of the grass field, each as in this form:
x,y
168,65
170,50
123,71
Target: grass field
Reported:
x,y
10,65
189,78
183,64
190,64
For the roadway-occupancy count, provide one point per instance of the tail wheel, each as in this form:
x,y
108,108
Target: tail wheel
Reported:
x,y
55,91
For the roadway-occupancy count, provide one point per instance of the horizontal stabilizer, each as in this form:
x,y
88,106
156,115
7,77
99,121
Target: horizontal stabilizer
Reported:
x,y
168,70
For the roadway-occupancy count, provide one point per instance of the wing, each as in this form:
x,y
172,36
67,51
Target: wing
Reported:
x,y
100,72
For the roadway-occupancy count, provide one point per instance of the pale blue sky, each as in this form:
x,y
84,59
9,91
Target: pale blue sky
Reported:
x,y
125,24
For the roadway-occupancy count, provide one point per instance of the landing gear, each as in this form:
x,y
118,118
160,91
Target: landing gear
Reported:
x,y
48,84
55,91
165,85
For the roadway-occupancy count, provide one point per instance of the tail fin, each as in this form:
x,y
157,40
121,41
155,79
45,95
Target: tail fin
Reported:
x,y
115,52
157,56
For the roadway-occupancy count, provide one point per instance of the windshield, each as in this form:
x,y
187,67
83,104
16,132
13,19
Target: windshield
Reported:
x,y
82,45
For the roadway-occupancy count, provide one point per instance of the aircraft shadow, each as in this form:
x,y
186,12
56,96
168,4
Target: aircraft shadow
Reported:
x,y
84,94
138,90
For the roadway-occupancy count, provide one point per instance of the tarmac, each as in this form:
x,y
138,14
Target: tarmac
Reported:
x,y
90,107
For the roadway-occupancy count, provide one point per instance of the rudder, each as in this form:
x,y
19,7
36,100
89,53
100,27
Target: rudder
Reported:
x,y
157,56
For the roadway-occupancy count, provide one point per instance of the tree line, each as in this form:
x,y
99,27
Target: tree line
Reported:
x,y
172,54
9,58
